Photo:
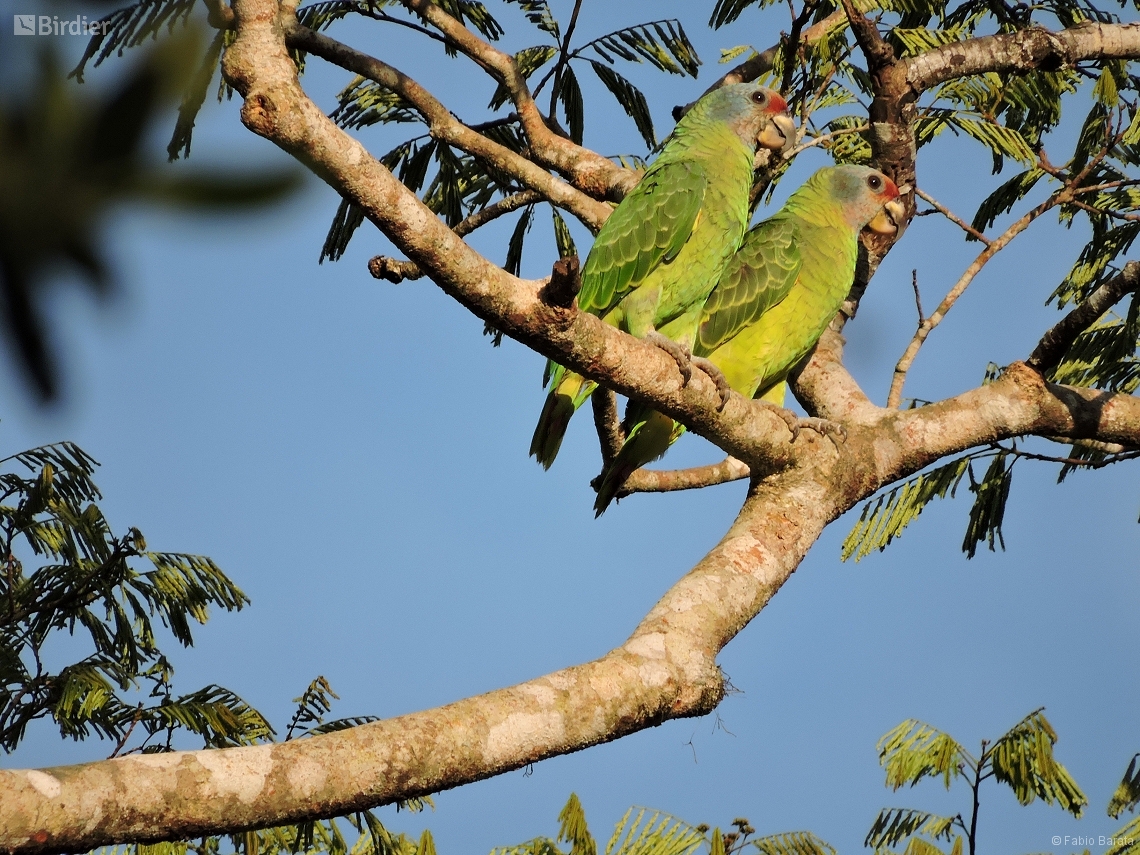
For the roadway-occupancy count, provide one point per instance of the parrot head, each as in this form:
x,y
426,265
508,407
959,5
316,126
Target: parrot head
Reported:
x,y
868,198
757,115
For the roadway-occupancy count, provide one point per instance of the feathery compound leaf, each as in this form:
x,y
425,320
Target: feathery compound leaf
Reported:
x,y
848,145
915,750
193,99
529,60
1092,265
347,220
562,237
793,843
1126,841
1127,795
631,100
659,834
1002,200
573,828
318,16
476,13
1001,141
314,702
513,262
988,510
131,26
893,825
884,519
538,13
1023,759
727,11
570,95
365,102
663,44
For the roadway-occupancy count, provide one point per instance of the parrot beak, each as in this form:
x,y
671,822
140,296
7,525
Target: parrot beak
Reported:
x,y
886,222
779,134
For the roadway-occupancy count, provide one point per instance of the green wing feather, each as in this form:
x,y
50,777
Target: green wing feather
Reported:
x,y
646,230
758,277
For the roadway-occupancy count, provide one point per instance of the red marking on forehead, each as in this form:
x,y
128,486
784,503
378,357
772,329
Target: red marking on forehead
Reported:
x,y
890,189
777,104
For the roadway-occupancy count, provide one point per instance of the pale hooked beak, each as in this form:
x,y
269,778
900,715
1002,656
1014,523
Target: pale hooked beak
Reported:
x,y
886,222
779,134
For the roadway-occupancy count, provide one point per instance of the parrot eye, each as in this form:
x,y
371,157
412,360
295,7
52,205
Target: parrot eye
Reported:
x,y
875,182
760,97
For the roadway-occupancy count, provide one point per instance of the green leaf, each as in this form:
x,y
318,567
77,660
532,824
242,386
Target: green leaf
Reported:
x,y
630,99
655,833
573,829
988,510
1023,759
1127,795
1002,200
915,750
365,102
1126,841
793,843
884,519
663,44
894,825
529,60
729,54
570,94
193,99
727,11
347,220
476,13
538,13
562,236
130,27
312,705
1001,141
515,245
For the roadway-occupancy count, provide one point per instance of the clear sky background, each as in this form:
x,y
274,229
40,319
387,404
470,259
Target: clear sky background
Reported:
x,y
353,454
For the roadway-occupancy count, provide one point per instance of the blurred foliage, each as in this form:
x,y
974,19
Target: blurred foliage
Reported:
x,y
67,157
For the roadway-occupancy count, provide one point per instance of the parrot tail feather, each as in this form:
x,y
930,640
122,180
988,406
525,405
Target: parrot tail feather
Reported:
x,y
569,393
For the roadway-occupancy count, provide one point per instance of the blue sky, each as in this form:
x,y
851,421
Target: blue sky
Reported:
x,y
353,454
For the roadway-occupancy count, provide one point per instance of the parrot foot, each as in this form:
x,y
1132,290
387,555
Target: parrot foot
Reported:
x,y
679,352
835,431
717,376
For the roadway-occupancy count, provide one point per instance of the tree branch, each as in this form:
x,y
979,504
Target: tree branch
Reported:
x,y
1026,50
607,424
1053,345
590,172
663,481
444,126
394,270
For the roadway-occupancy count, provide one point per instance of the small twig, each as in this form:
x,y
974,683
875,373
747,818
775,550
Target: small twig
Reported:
x,y
389,19
1054,344
925,328
917,295
950,215
134,720
1069,461
394,270
563,57
793,44
667,481
1115,215
822,138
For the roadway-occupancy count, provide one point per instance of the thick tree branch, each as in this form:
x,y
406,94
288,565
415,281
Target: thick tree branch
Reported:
x,y
1056,341
1026,50
590,172
444,126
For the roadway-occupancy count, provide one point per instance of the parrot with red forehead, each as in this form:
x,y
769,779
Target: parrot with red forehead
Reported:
x,y
662,250
774,300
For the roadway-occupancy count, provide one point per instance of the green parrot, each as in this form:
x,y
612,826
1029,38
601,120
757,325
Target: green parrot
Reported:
x,y
773,302
662,250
